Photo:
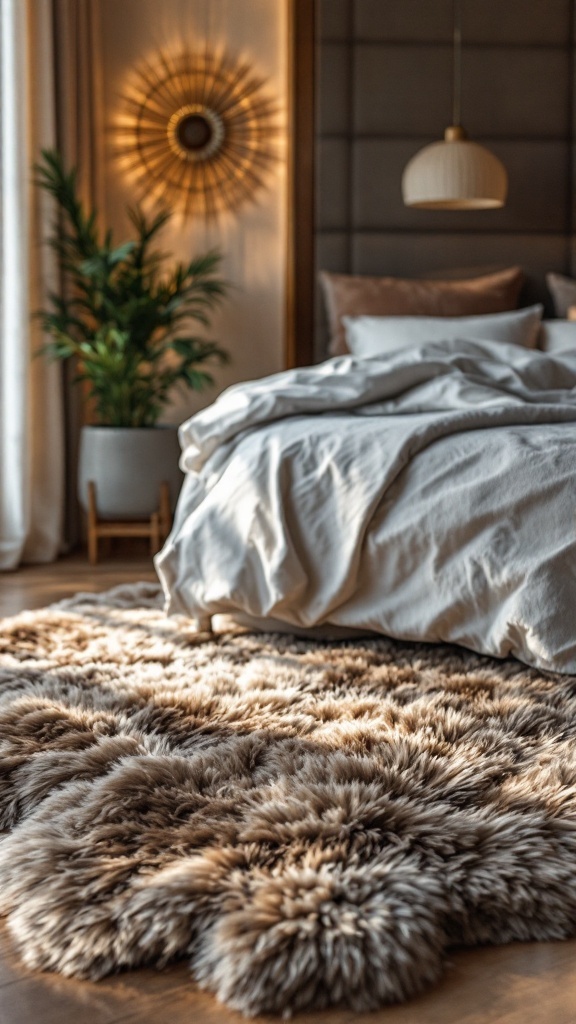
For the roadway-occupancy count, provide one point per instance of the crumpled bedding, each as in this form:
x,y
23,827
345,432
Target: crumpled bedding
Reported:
x,y
428,494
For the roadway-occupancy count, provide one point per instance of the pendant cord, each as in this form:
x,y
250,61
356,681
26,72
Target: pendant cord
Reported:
x,y
457,62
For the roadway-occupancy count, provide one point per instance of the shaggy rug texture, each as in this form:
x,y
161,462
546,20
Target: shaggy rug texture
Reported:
x,y
308,824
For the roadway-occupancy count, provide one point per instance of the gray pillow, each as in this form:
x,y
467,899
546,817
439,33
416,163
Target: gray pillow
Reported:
x,y
377,335
563,292
558,336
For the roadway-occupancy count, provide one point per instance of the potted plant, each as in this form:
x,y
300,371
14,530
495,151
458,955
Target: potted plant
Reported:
x,y
125,320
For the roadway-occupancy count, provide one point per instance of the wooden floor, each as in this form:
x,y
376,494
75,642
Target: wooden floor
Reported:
x,y
519,984
34,586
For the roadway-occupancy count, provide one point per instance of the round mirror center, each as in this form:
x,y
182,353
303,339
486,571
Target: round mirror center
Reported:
x,y
194,132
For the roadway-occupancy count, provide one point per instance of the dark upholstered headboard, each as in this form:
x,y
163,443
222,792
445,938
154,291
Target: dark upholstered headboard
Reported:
x,y
383,91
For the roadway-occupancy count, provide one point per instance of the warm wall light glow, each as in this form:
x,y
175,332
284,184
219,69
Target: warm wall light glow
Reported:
x,y
197,130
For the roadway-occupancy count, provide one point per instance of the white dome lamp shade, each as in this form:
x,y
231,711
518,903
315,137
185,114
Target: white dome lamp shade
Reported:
x,y
455,174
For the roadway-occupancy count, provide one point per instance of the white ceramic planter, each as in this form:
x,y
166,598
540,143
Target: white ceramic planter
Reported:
x,y
128,464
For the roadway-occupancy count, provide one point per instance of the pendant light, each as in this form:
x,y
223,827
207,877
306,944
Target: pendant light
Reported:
x,y
455,174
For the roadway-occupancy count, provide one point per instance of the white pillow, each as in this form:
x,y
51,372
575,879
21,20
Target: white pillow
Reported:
x,y
558,336
378,335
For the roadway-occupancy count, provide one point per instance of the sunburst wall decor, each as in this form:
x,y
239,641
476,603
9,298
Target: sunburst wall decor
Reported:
x,y
198,130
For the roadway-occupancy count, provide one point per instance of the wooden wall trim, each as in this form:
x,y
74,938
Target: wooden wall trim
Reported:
x,y
301,206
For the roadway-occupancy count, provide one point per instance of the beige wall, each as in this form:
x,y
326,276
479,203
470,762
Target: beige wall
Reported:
x,y
253,241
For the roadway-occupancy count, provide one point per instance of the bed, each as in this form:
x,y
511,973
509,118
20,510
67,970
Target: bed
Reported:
x,y
426,493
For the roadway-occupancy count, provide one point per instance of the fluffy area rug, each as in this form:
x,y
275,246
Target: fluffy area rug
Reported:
x,y
309,824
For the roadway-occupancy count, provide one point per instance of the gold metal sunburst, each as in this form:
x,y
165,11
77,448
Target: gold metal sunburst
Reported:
x,y
198,130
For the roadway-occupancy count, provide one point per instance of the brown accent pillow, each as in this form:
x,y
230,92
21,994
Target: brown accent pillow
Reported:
x,y
563,291
348,295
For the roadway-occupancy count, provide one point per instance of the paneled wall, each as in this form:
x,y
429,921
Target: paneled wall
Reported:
x,y
384,91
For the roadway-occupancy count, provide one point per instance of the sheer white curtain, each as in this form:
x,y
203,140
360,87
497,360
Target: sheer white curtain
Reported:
x,y
31,416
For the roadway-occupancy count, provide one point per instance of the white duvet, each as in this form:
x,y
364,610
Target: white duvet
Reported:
x,y
429,494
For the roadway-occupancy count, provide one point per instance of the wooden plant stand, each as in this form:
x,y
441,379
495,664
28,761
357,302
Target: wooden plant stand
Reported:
x,y
156,528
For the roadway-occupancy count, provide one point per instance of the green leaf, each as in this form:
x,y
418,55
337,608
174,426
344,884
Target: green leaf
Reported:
x,y
122,314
